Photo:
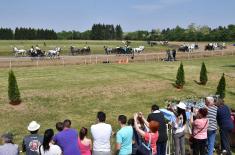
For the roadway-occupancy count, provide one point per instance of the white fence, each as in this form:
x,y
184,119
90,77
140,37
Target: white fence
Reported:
x,y
96,59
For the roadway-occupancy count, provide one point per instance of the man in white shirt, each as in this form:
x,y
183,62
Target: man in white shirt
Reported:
x,y
101,134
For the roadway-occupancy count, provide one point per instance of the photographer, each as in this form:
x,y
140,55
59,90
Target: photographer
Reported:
x,y
178,129
200,125
151,136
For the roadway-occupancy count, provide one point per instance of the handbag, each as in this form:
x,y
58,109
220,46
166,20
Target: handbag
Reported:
x,y
191,138
145,149
40,150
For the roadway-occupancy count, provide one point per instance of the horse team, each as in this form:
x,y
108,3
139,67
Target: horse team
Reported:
x,y
123,50
209,47
53,53
37,52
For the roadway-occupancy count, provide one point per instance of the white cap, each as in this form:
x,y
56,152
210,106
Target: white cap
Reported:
x,y
33,126
181,105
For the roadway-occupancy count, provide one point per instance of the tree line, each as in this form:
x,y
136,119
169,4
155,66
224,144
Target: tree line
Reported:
x,y
192,33
97,32
110,32
27,34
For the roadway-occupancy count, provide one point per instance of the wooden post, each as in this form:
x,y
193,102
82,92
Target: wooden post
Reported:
x,y
90,59
63,60
85,60
10,64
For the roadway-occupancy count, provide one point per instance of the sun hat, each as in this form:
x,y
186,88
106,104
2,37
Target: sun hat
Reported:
x,y
181,105
33,126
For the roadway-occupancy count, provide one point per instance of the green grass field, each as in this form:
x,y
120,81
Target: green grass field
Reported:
x,y
97,47
52,94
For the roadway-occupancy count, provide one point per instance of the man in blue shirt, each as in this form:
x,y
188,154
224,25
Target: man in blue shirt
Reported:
x,y
124,137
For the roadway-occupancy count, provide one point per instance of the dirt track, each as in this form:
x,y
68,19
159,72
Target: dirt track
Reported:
x,y
6,62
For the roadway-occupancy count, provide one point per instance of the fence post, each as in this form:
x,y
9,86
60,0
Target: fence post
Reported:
x,y
90,59
96,60
85,60
10,64
63,60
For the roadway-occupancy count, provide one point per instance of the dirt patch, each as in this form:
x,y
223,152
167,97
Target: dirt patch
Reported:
x,y
8,107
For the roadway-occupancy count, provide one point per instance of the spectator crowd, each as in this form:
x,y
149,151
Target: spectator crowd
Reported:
x,y
136,136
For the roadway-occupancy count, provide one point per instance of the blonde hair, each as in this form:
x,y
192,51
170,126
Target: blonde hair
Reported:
x,y
211,100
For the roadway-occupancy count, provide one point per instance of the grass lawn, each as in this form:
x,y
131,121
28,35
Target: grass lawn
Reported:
x,y
52,94
97,47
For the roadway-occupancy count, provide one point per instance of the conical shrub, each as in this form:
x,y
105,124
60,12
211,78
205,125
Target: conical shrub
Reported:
x,y
13,90
221,87
203,74
180,80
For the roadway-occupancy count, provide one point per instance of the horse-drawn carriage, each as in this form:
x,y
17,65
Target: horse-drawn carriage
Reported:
x,y
188,47
77,51
215,46
118,50
152,43
37,52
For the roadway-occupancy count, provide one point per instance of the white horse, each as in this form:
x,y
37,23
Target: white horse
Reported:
x,y
54,53
19,51
139,49
191,47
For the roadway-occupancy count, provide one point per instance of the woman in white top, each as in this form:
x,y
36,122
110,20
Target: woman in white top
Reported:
x,y
47,148
178,129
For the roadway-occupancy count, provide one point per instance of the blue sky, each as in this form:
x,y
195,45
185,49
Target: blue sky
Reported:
x,y
131,14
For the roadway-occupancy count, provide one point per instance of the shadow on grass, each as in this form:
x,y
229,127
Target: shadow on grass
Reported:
x,y
231,93
199,83
228,66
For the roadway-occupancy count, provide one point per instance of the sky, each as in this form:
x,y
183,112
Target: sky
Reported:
x,y
132,15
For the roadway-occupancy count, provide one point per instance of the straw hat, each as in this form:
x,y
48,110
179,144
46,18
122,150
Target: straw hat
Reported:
x,y
33,126
181,105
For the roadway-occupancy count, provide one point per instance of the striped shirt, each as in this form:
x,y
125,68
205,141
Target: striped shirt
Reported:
x,y
212,114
